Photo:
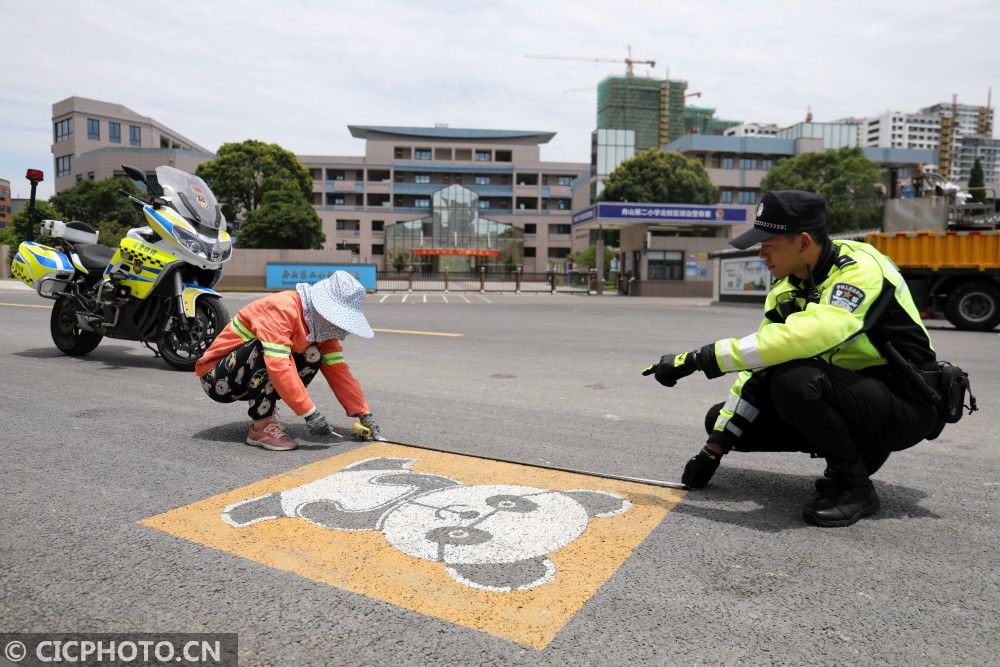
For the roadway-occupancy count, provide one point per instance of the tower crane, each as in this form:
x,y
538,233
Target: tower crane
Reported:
x,y
629,61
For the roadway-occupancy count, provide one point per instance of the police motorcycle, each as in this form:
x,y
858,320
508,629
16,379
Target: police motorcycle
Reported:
x,y
155,287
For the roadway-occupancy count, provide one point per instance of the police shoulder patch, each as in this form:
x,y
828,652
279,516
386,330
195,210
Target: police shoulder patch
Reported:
x,y
846,296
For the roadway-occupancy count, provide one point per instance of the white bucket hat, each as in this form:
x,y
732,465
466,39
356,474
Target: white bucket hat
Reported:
x,y
339,300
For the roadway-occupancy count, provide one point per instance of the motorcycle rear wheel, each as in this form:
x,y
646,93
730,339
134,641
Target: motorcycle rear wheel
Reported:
x,y
66,332
182,349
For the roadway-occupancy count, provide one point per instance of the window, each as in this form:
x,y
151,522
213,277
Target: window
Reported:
x,y
463,154
484,203
348,225
378,248
767,164
559,229
378,225
530,228
334,174
64,165
338,200
727,162
529,252
558,253
484,156
422,178
563,204
64,129
93,129
504,156
422,203
748,163
748,197
565,180
726,196
482,180
134,135
422,154
315,174
716,161
115,133
665,264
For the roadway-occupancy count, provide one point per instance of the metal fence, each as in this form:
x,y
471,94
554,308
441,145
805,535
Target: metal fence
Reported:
x,y
515,281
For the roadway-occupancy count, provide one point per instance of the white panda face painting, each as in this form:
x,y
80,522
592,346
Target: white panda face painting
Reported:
x,y
493,537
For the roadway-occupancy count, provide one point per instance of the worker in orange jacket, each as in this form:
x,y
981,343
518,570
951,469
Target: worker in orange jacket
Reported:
x,y
274,347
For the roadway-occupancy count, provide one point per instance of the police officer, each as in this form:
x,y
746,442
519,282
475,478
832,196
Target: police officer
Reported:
x,y
815,376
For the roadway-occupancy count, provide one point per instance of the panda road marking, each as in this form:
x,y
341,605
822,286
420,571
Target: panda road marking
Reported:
x,y
510,550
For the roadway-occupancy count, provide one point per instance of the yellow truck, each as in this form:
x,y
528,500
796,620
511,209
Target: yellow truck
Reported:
x,y
953,267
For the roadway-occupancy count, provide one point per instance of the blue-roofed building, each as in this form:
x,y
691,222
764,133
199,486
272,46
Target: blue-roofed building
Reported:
x,y
407,173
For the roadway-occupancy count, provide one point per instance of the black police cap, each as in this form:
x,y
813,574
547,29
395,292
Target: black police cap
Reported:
x,y
784,212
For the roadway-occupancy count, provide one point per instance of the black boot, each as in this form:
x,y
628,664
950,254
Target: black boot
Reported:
x,y
850,497
873,460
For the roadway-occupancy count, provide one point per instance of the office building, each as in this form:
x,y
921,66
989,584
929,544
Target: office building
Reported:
x,y
832,135
608,149
92,139
448,198
752,130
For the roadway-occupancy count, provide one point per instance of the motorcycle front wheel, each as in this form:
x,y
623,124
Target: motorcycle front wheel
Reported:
x,y
66,332
182,346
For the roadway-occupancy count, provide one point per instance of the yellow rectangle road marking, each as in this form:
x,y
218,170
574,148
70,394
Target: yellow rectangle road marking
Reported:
x,y
510,550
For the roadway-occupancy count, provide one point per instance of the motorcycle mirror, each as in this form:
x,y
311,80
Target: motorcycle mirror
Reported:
x,y
153,186
134,174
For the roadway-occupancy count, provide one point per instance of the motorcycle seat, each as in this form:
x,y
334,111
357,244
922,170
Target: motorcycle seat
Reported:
x,y
95,256
80,225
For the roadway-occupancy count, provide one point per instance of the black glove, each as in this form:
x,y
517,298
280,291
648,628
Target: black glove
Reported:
x,y
673,367
700,468
317,424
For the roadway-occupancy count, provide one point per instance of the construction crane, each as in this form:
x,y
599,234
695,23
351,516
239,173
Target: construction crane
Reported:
x,y
629,61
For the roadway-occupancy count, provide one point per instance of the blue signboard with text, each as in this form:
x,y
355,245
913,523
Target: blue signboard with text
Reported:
x,y
691,213
285,276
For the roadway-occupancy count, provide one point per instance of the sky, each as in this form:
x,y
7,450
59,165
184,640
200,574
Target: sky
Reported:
x,y
297,72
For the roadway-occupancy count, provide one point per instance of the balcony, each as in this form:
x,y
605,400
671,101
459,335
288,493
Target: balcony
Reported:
x,y
345,186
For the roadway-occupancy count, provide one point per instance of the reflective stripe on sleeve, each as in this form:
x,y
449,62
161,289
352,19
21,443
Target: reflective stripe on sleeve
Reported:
x,y
725,356
749,352
276,350
241,330
331,358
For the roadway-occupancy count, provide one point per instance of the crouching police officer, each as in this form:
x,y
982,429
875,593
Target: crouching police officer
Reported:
x,y
815,376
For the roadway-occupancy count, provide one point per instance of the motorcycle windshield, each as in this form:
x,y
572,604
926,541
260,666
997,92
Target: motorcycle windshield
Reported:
x,y
191,196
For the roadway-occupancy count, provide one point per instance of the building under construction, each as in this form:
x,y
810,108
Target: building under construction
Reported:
x,y
652,108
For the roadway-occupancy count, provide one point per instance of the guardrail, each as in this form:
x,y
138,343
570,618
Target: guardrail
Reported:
x,y
484,281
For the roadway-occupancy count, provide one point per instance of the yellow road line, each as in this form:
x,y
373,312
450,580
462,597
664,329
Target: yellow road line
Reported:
x,y
29,305
419,333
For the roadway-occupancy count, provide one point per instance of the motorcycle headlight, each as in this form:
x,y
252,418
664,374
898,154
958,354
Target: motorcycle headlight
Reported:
x,y
221,251
190,241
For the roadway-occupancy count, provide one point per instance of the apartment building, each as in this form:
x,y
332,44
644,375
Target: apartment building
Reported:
x,y
449,198
6,209
896,129
91,139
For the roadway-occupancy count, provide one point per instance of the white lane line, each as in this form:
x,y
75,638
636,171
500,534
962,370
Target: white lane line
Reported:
x,y
382,300
425,298
445,298
484,298
404,298
463,296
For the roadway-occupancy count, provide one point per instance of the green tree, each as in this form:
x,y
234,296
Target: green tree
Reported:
x,y
283,220
657,177
844,177
400,262
103,205
976,182
586,259
16,231
242,173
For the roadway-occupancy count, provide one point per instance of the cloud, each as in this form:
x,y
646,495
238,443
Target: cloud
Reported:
x,y
298,72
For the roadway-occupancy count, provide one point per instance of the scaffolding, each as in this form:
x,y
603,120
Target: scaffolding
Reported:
x,y
652,108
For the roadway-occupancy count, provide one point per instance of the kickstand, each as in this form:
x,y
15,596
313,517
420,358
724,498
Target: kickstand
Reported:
x,y
155,351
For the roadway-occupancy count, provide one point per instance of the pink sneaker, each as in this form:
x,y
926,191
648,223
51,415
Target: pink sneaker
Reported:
x,y
271,436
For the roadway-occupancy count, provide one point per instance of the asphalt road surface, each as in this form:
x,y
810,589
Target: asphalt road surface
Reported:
x,y
96,445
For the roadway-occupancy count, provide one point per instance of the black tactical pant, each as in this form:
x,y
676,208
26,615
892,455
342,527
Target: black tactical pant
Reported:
x,y
814,407
242,375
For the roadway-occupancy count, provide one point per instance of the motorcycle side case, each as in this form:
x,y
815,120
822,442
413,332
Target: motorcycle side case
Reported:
x,y
35,261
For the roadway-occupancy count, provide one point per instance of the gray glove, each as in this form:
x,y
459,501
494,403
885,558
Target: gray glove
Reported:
x,y
317,424
367,428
